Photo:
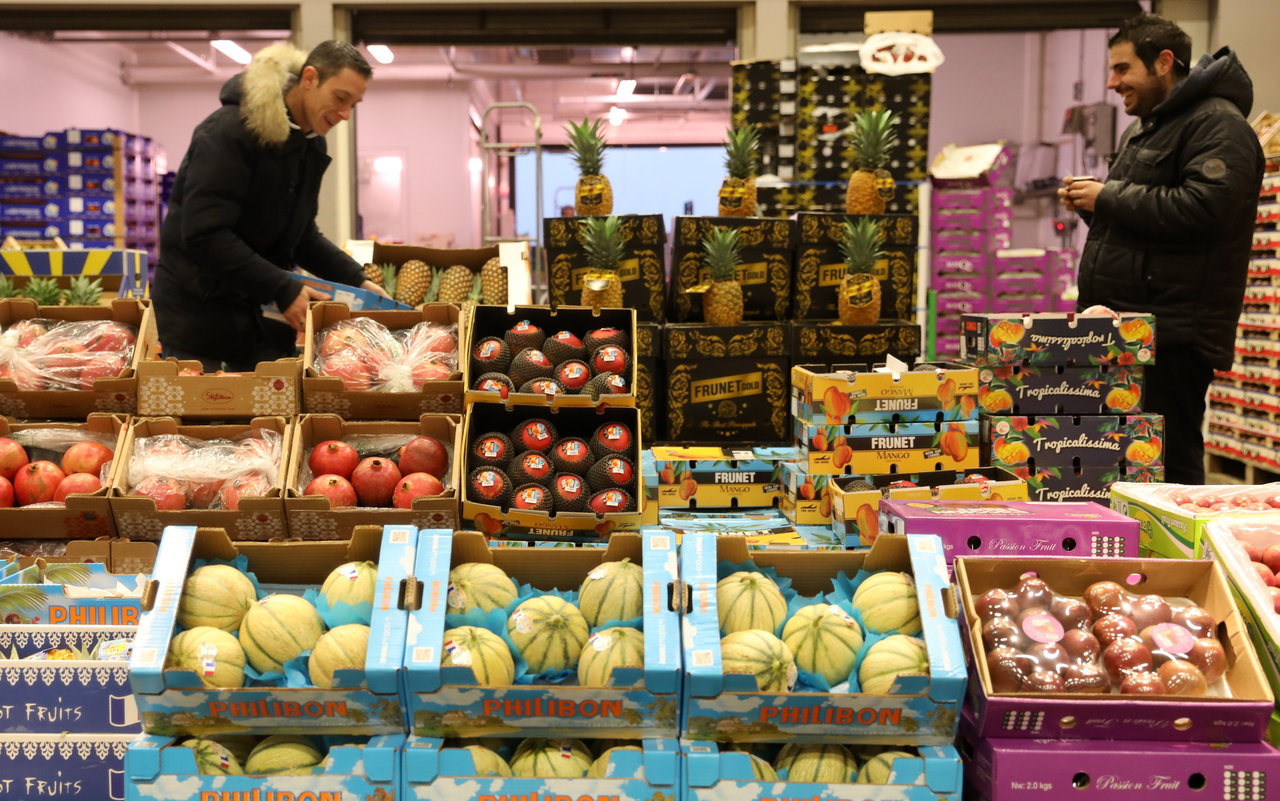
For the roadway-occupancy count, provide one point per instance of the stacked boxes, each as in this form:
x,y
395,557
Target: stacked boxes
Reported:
x,y
767,252
1032,280
820,267
22,189
710,477
641,268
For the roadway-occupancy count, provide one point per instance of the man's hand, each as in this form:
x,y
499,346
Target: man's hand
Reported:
x,y
372,287
1080,194
296,314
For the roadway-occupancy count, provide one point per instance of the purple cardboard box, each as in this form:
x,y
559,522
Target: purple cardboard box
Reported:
x,y
948,200
1037,303
960,219
953,262
959,282
1138,770
1021,283
961,240
993,528
961,303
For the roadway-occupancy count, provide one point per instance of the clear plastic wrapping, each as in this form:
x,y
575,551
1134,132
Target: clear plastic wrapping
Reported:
x,y
181,472
56,355
367,355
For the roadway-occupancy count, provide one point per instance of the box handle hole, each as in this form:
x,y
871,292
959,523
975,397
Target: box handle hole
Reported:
x,y
1068,543
1196,781
1080,781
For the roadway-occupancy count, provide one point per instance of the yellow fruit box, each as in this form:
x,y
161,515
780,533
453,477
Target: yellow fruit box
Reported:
x,y
807,500
712,477
887,447
844,394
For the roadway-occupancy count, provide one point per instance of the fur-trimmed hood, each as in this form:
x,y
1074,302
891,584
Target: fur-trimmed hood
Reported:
x,y
259,91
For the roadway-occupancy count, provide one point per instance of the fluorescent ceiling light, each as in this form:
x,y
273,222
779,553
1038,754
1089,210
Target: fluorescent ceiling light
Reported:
x,y
388,165
626,87
232,51
475,165
627,53
381,53
617,116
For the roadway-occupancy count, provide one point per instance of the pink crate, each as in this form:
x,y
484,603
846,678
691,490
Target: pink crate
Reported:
x,y
1024,304
959,220
969,241
949,326
1021,284
948,345
959,282
1019,262
951,262
961,199
961,303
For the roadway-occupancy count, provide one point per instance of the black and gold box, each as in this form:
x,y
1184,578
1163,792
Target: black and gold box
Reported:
x,y
820,268
825,342
767,251
727,384
642,268
650,400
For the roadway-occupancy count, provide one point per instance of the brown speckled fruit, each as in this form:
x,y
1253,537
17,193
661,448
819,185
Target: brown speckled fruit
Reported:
x,y
594,340
524,334
489,485
611,472
569,492
1123,657
1150,610
611,501
531,467
493,449
1208,655
1145,683
612,438
1112,627
1081,646
574,374
490,355
1085,678
537,434
572,455
1071,613
562,346
1043,681
1002,631
1033,591
1183,678
532,497
1007,668
1105,597
1195,619
995,603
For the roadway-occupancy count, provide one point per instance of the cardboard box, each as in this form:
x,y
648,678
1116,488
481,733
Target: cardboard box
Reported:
x,y
650,400
494,321
806,500
823,394
820,267
273,388
365,701
49,765
919,710
311,517
570,421
959,282
158,767
763,529
434,770
1004,527
767,250
1170,528
353,297
715,478
447,702
828,342
726,383
1069,339
1077,482
1059,440
711,774
1240,718
119,394
641,269
83,516
78,695
970,167
887,447
321,394
1056,389
513,256
259,518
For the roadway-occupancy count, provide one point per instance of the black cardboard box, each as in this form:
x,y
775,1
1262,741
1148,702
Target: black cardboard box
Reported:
x,y
767,251
825,342
819,266
642,269
650,398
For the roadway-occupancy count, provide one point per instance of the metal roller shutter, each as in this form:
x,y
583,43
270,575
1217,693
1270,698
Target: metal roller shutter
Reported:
x,y
105,17
973,17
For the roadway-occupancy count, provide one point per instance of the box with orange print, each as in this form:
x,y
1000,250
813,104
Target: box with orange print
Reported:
x,y
1025,443
1057,389
893,392
887,447
1122,338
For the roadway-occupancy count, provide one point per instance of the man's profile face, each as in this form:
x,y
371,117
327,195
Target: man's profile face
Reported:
x,y
331,102
1141,89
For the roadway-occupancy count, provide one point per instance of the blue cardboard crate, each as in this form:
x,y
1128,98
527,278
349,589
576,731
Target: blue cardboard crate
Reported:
x,y
81,695
58,162
22,167
129,263
365,701
24,212
20,144
43,766
79,182
83,205
104,229
29,188
83,138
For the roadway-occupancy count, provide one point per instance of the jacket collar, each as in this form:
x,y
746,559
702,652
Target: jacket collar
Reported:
x,y
264,82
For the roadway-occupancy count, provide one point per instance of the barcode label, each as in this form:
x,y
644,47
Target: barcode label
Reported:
x,y
703,658
400,536
148,656
661,543
425,653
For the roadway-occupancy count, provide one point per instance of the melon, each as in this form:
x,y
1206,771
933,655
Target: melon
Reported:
x,y
487,654
887,603
612,591
877,769
240,745
600,768
283,755
212,759
761,770
890,658
747,600
352,583
824,640
551,759
549,632
476,585
488,762
828,763
760,654
616,647
217,596
212,654
340,648
279,628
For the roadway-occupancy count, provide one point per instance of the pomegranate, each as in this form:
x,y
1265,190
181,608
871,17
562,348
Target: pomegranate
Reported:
x,y
333,457
63,354
427,338
12,457
37,482
256,452
414,486
165,445
86,457
101,365
423,455
77,483
356,374
202,493
111,337
423,372
25,332
339,339
28,377
375,481
249,485
334,487
168,493
6,493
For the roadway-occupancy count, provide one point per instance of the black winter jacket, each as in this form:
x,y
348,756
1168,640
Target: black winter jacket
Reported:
x,y
1172,228
241,217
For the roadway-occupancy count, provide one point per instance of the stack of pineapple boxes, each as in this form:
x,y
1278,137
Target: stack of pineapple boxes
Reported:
x,y
1061,398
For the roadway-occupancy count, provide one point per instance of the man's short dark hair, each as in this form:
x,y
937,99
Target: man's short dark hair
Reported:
x,y
332,56
1150,34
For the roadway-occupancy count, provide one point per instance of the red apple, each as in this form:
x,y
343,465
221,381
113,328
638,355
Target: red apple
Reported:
x,y
1275,598
1271,557
1264,573
1252,551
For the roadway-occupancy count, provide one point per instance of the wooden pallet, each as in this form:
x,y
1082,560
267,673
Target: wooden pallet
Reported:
x,y
1222,467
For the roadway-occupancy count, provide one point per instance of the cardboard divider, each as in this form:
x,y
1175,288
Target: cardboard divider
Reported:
x,y
182,389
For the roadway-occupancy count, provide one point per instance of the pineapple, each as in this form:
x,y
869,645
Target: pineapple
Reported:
x,y
738,192
593,194
412,281
871,185
493,282
602,240
722,302
7,290
455,284
373,273
859,297
84,291
44,291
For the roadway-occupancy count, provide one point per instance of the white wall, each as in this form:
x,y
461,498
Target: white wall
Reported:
x,y
170,112
48,87
1250,29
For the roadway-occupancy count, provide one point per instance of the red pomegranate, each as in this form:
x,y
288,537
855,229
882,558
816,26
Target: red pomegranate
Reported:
x,y
77,483
6,493
28,377
422,372
249,485
26,332
166,445
85,457
356,374
414,486
12,457
111,337
333,457
348,338
423,455
37,482
168,493
334,487
200,494
375,481
101,365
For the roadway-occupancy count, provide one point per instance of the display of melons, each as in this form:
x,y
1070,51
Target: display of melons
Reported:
x,y
527,359
249,755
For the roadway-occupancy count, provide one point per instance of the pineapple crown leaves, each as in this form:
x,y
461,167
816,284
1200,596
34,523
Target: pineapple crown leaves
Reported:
x,y
7,289
44,291
740,151
722,253
602,240
873,136
586,145
84,291
861,245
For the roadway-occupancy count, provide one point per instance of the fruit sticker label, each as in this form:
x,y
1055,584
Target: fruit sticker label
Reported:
x,y
1172,638
490,448
521,622
573,448
613,499
458,654
1042,627
488,478
613,432
531,496
489,349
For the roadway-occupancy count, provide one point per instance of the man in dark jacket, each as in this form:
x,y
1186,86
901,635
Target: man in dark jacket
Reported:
x,y
242,213
1171,227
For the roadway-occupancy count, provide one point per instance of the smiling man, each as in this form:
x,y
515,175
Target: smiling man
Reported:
x,y
242,212
1171,226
